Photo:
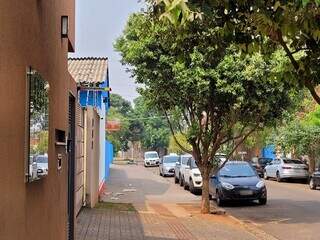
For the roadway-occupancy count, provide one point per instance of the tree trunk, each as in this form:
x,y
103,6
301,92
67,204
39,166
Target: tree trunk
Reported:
x,y
205,201
312,163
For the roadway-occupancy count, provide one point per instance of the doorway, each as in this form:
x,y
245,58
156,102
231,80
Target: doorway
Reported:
x,y
71,167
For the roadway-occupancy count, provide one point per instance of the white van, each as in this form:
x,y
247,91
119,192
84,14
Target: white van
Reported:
x,y
151,158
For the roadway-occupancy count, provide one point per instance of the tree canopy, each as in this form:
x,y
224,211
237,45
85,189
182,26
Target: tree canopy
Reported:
x,y
293,25
208,91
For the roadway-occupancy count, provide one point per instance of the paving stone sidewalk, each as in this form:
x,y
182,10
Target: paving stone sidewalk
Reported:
x,y
111,224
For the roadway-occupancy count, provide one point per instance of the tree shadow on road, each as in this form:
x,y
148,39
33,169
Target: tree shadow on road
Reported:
x,y
118,225
122,189
277,210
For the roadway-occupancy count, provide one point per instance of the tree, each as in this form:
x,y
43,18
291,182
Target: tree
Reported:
x,y
301,138
139,124
207,90
155,133
175,148
123,106
293,25
120,138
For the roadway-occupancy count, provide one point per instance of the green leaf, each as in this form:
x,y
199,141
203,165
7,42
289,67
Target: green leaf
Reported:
x,y
276,6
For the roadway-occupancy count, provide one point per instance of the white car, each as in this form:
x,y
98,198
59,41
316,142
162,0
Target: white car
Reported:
x,y
286,169
180,168
192,177
151,158
42,165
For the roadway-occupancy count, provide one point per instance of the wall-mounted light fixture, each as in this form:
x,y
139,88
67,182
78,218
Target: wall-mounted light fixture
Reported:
x,y
64,26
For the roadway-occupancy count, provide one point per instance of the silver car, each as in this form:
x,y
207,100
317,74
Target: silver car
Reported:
x,y
286,169
167,164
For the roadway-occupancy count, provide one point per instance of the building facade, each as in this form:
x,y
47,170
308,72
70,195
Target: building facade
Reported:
x,y
91,75
36,205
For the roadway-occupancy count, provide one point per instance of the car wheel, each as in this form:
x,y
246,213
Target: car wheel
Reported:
x,y
312,184
219,201
185,186
279,179
263,201
180,181
176,180
265,175
192,190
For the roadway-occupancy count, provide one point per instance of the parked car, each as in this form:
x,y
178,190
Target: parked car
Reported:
x,y
315,180
151,158
180,167
192,177
259,164
237,181
284,168
42,165
167,164
183,169
221,158
32,168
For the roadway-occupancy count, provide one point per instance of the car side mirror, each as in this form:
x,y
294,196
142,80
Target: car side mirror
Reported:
x,y
177,163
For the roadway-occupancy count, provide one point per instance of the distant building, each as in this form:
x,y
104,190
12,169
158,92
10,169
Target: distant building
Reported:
x,y
91,75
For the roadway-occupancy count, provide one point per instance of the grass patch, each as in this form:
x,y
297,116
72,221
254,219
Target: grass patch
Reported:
x,y
116,206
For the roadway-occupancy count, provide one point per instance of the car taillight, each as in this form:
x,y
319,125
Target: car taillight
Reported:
x,y
286,167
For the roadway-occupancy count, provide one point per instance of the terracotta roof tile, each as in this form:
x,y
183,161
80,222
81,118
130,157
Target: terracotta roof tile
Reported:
x,y
88,70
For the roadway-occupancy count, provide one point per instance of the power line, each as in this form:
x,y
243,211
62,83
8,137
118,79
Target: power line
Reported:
x,y
145,118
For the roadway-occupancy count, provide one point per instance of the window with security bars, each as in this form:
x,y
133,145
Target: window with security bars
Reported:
x,y
38,126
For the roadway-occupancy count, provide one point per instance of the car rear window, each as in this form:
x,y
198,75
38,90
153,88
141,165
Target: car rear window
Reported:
x,y
171,159
42,159
151,155
237,170
265,160
292,161
193,164
185,159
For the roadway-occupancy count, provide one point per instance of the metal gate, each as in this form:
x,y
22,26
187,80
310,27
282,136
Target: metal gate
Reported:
x,y
79,158
71,167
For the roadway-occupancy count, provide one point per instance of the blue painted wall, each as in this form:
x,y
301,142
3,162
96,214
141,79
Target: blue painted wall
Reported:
x,y
109,158
268,152
100,100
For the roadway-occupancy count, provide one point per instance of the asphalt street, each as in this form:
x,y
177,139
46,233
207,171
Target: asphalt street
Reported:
x,y
292,211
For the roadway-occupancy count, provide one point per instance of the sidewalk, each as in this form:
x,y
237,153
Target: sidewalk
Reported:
x,y
158,209
113,224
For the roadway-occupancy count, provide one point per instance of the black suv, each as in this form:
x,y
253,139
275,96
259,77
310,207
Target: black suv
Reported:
x,y
259,164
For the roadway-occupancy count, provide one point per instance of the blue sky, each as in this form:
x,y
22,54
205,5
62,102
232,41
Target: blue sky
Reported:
x,y
98,24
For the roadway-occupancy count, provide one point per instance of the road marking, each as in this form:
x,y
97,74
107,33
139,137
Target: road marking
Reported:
x,y
277,221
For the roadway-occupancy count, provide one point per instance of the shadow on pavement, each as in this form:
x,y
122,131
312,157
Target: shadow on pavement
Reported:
x,y
141,188
118,225
277,210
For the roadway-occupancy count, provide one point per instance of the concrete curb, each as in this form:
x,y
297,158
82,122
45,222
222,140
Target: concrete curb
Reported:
x,y
254,230
250,228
